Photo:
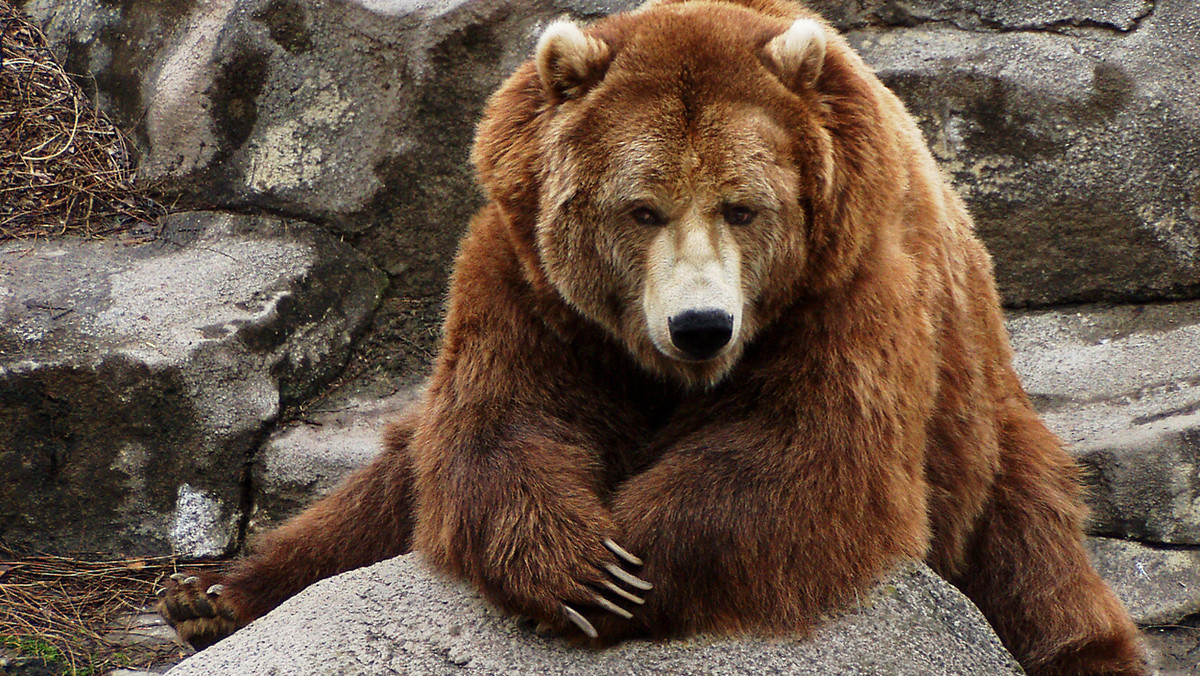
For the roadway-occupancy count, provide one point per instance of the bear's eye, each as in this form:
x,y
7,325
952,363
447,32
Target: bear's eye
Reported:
x,y
738,215
646,216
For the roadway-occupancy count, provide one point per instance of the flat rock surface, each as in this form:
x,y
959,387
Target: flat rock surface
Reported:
x,y
398,617
1099,371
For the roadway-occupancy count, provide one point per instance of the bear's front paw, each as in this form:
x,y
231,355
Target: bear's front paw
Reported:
x,y
618,593
196,606
598,592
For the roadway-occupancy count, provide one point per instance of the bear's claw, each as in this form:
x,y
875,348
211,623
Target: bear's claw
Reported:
x,y
623,594
628,578
620,552
579,621
606,594
612,607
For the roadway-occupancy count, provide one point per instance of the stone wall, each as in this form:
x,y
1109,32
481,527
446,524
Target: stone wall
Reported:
x,y
318,149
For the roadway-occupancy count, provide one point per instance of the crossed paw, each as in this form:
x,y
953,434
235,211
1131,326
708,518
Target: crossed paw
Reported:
x,y
607,588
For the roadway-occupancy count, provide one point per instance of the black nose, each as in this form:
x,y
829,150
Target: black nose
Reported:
x,y
700,334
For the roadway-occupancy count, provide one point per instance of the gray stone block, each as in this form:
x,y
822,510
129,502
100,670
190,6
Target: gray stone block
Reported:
x,y
1122,386
1158,586
398,617
137,379
304,460
1069,128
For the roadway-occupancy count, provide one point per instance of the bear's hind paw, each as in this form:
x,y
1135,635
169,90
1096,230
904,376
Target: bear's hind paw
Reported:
x,y
197,609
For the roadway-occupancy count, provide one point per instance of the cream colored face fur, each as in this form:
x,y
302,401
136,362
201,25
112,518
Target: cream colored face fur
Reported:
x,y
693,264
656,207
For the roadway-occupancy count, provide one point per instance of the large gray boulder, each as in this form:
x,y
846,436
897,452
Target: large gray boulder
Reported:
x,y
356,115
1122,385
1029,15
399,617
137,379
1070,128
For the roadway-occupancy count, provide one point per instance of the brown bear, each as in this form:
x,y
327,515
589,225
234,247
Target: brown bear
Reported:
x,y
720,351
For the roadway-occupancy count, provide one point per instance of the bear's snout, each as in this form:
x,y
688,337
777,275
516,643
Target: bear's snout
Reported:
x,y
700,334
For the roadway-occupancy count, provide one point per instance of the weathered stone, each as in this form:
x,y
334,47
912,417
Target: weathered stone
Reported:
x,y
1070,126
1173,650
1158,586
136,380
398,617
142,627
303,461
1122,385
1095,371
1115,15
1145,484
357,115
1077,153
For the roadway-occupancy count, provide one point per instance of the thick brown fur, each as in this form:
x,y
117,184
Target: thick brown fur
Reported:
x,y
866,411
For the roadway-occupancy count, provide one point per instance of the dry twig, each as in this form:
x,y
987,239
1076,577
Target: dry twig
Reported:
x,y
64,168
73,605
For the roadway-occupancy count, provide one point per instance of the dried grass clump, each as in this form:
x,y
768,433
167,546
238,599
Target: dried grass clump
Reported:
x,y
64,168
73,609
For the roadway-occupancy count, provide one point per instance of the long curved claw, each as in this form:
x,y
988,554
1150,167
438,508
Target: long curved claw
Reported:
x,y
215,590
612,607
579,621
622,593
179,577
627,578
622,553
191,579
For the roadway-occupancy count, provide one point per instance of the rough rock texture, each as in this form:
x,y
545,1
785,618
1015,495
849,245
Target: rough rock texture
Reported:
x,y
136,380
1122,385
357,115
1146,483
305,459
1028,15
1174,650
1161,588
397,617
1069,127
1158,586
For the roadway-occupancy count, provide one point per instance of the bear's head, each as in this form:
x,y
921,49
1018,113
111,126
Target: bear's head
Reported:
x,y
683,174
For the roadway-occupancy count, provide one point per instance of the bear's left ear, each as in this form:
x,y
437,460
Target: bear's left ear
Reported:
x,y
569,62
797,54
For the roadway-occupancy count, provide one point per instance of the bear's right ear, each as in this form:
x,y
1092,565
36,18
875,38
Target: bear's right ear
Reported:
x,y
797,54
569,62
